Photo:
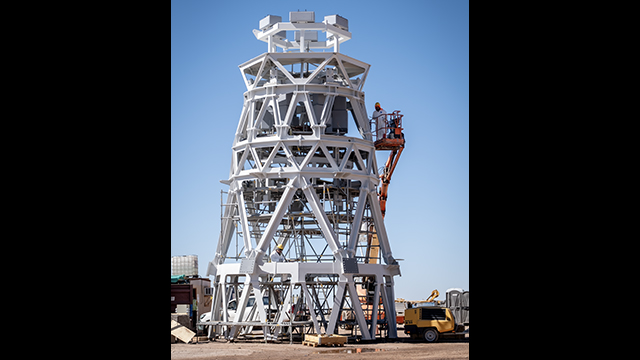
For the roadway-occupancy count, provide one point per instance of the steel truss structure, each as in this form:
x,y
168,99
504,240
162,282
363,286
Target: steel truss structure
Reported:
x,y
298,180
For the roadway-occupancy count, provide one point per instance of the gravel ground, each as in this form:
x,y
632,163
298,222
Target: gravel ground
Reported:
x,y
404,348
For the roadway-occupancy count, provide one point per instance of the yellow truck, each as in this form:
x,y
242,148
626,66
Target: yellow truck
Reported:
x,y
431,322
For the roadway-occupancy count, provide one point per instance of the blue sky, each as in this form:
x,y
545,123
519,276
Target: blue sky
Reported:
x,y
419,57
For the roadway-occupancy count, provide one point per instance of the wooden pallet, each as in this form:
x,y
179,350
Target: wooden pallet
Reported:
x,y
324,340
181,332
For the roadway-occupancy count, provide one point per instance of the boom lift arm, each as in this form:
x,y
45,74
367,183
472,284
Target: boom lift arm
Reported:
x,y
388,136
389,167
392,139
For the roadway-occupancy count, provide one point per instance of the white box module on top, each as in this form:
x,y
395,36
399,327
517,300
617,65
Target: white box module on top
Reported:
x,y
337,21
302,16
269,20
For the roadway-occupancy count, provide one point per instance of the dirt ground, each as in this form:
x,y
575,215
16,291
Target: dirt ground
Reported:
x,y
404,348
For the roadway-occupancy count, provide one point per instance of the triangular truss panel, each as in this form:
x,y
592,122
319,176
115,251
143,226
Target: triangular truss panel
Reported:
x,y
303,175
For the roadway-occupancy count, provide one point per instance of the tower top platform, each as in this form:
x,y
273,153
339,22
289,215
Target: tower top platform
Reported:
x,y
273,31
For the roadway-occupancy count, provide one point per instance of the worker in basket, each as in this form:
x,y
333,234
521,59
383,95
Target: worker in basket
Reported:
x,y
379,116
392,127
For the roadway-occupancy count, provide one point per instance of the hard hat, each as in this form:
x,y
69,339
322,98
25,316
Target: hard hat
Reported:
x,y
377,104
280,247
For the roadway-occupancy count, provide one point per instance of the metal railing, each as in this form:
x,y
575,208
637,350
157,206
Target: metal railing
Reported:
x,y
384,126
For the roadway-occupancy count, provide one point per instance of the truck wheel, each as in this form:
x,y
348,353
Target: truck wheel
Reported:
x,y
431,335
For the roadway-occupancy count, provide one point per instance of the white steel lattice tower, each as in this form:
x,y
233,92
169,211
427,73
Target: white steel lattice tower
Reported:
x,y
298,180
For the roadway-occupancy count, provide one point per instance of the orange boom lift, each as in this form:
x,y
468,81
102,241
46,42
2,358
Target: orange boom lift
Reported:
x,y
388,136
393,139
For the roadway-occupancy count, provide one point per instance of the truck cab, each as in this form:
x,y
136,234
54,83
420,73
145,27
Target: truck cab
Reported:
x,y
429,322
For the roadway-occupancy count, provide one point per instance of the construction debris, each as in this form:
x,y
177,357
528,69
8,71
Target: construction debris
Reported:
x,y
181,332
